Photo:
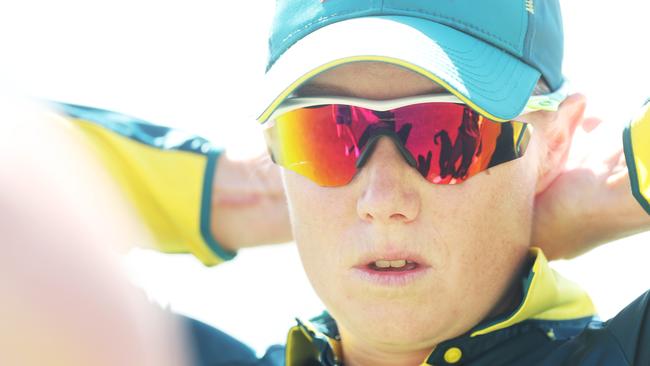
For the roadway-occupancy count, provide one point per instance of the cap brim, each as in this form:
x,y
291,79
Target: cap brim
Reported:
x,y
489,79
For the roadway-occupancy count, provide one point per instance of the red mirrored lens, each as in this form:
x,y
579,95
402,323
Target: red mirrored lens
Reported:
x,y
446,142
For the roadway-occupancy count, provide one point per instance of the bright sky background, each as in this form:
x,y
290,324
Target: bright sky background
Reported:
x,y
194,63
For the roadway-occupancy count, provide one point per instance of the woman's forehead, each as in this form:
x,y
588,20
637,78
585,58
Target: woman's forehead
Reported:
x,y
381,80
371,80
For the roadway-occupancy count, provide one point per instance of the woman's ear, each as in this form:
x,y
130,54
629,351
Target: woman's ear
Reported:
x,y
556,137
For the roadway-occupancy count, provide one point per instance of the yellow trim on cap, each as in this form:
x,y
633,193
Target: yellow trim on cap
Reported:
x,y
267,113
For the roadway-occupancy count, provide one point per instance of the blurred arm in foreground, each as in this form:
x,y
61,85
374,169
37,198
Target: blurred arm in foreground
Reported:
x,y
63,297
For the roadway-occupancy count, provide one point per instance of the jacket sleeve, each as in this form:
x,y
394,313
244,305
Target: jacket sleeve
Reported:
x,y
636,144
631,329
166,174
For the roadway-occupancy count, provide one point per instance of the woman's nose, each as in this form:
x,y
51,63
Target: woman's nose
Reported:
x,y
389,186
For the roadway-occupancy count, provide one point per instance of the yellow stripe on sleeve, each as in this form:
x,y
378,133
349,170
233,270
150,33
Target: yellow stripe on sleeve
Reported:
x,y
636,144
165,174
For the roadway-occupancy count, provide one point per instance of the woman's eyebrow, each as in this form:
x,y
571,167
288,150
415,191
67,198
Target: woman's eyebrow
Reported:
x,y
313,89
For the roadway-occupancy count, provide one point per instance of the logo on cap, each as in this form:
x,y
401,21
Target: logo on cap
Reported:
x,y
529,6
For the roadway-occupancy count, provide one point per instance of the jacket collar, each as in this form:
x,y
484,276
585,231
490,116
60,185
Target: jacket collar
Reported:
x,y
548,298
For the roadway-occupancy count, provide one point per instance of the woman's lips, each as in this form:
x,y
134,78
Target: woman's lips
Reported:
x,y
391,269
391,278
390,255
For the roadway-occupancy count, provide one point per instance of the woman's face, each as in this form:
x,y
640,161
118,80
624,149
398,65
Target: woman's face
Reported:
x,y
467,240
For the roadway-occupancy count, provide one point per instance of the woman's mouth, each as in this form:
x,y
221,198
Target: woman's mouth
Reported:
x,y
394,265
391,272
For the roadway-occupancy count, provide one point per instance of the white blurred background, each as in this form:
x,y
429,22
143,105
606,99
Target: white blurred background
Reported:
x,y
193,64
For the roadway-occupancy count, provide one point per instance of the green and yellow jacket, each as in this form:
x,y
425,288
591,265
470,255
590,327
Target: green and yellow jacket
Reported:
x,y
167,175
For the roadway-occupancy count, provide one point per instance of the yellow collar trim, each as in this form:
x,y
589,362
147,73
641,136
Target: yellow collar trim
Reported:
x,y
301,345
548,296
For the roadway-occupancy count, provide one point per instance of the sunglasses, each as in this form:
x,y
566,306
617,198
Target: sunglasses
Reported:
x,y
328,139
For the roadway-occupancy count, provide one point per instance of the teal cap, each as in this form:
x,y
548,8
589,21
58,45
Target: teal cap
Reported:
x,y
488,53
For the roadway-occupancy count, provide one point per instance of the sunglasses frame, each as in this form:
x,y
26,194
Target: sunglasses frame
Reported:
x,y
543,102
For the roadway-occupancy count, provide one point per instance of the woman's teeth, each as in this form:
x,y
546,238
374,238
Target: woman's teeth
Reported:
x,y
386,264
394,265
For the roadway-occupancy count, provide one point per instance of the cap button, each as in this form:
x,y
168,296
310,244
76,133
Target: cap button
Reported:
x,y
453,355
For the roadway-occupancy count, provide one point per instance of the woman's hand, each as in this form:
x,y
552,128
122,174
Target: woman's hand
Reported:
x,y
249,207
590,203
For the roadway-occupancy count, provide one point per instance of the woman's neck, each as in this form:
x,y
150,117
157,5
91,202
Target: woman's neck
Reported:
x,y
358,355
357,352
